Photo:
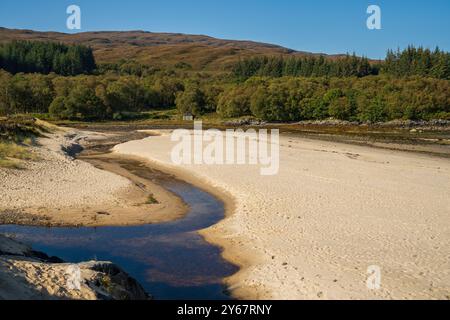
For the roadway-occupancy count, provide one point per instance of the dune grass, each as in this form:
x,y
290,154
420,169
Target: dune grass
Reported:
x,y
151,200
13,154
17,135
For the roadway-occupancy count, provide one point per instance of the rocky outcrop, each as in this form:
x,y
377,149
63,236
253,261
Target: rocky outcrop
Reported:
x,y
437,124
30,275
432,125
247,121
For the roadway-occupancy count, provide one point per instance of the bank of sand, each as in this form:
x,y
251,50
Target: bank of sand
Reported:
x,y
312,231
57,189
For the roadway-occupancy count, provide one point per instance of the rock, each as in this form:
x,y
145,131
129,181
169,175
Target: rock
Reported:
x,y
437,124
245,122
22,271
9,246
329,122
110,282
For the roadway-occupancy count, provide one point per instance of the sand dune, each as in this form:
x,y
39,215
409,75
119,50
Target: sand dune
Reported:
x,y
312,231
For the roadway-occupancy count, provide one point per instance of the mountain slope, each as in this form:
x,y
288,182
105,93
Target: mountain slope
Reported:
x,y
157,49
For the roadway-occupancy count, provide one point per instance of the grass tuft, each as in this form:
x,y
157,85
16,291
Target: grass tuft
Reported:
x,y
151,200
12,154
10,164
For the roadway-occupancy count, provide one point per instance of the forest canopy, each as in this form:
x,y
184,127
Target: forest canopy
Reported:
x,y
349,66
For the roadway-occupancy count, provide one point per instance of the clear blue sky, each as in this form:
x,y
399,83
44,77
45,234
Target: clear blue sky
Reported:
x,y
329,26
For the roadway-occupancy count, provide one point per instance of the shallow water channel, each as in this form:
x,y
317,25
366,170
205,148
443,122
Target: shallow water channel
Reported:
x,y
170,260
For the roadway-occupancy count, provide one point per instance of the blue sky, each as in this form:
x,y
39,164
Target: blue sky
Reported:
x,y
329,26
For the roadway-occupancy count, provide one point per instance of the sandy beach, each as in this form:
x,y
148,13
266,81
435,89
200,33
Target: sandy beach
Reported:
x,y
312,231
59,190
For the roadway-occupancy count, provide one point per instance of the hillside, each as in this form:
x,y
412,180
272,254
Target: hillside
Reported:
x,y
157,49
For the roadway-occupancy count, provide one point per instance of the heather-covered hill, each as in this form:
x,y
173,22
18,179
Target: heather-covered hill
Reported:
x,y
158,49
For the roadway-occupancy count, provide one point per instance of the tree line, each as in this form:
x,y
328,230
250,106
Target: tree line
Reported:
x,y
368,99
85,97
409,62
310,66
46,57
418,62
100,97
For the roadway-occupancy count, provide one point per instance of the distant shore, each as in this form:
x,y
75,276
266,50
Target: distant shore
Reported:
x,y
427,137
333,211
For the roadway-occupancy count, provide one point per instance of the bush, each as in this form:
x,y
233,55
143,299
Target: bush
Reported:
x,y
57,108
81,104
234,103
191,100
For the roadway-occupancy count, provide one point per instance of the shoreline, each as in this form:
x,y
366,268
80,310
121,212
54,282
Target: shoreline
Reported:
x,y
212,236
236,247
229,251
415,139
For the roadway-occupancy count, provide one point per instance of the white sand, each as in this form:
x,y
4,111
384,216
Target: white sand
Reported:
x,y
56,180
332,211
66,191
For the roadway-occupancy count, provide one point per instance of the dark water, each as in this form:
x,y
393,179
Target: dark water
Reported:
x,y
170,260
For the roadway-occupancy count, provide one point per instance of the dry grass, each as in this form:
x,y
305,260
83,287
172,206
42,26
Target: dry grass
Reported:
x,y
12,155
17,135
10,164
